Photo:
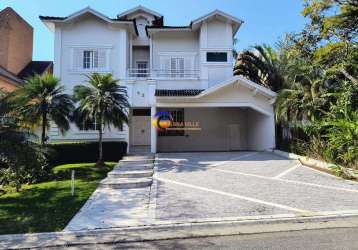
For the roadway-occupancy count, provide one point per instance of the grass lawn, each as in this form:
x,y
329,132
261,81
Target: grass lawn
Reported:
x,y
49,206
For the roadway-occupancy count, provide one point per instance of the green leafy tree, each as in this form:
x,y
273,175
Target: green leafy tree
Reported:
x,y
304,100
41,100
21,160
333,18
102,101
330,37
338,128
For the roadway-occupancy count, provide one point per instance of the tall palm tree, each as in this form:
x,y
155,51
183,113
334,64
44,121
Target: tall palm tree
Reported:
x,y
261,65
102,101
41,100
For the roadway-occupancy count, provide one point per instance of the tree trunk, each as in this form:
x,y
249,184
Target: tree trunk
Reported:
x,y
43,134
100,149
348,76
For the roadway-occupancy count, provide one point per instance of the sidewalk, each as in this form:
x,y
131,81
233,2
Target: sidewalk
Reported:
x,y
121,200
174,231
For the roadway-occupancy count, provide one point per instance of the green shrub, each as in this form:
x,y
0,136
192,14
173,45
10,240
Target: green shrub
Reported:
x,y
79,152
21,161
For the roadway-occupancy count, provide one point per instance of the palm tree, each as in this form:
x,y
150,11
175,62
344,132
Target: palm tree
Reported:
x,y
41,100
102,101
261,65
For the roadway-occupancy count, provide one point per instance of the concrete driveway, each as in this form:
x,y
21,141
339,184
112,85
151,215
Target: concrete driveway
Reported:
x,y
200,186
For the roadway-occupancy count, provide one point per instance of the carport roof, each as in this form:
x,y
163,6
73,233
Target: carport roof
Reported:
x,y
178,92
198,93
241,80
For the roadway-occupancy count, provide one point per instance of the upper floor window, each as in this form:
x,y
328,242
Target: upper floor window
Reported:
x,y
177,66
216,57
142,68
90,59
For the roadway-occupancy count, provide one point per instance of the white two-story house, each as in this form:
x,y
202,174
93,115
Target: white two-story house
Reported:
x,y
186,71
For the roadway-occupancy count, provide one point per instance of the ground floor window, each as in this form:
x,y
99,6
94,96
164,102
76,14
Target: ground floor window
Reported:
x,y
141,112
90,125
178,118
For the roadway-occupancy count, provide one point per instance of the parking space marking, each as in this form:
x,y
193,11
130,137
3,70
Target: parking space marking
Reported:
x,y
297,210
233,159
287,171
287,181
330,175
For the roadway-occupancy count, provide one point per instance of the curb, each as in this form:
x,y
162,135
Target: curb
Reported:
x,y
308,162
152,204
172,231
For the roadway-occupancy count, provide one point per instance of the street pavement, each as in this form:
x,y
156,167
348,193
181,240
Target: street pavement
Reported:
x,y
323,239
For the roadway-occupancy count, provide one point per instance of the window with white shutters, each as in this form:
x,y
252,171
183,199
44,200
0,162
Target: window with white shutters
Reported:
x,y
90,59
177,67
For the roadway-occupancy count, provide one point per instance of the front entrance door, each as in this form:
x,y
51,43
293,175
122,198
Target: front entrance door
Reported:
x,y
140,130
234,136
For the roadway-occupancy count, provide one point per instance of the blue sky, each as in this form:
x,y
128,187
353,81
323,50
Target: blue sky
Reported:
x,y
265,20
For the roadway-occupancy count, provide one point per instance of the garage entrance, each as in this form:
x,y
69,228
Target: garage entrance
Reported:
x,y
221,129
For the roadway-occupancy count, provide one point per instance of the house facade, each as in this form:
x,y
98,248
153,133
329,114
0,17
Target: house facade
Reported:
x,y
179,79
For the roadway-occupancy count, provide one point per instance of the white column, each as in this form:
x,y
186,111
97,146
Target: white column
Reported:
x,y
153,132
150,54
131,52
58,53
122,67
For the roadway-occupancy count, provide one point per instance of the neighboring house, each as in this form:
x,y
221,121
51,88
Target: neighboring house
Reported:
x,y
184,70
16,38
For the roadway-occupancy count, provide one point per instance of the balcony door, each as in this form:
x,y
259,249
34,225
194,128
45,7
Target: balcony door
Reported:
x,y
177,67
142,68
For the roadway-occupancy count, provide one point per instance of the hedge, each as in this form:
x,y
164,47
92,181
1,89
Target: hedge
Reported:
x,y
79,152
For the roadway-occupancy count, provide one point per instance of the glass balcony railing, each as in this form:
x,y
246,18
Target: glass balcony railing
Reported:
x,y
162,74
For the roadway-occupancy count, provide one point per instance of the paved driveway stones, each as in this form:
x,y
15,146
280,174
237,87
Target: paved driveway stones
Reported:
x,y
194,186
214,186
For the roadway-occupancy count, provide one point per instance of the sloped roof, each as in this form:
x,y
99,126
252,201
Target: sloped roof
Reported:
x,y
240,79
218,13
139,8
50,20
80,13
10,76
195,24
35,67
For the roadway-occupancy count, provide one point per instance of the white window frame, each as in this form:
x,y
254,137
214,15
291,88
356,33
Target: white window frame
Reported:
x,y
175,72
179,67
91,130
75,68
91,62
142,72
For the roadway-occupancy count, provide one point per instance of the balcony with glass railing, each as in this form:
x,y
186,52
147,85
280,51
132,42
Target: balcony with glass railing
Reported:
x,y
135,73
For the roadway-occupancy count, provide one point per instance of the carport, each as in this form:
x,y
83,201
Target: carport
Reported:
x,y
234,115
